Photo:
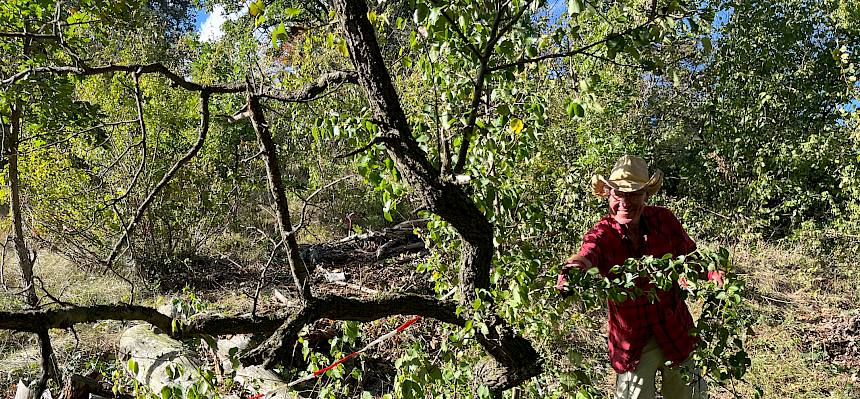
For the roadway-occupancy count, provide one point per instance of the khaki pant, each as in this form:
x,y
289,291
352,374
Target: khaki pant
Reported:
x,y
641,384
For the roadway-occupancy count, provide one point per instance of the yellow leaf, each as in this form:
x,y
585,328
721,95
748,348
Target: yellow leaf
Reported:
x,y
517,125
256,8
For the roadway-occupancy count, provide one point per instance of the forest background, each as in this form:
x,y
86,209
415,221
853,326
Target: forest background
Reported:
x,y
143,166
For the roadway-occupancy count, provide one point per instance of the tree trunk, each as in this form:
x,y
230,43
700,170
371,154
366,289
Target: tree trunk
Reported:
x,y
25,259
514,356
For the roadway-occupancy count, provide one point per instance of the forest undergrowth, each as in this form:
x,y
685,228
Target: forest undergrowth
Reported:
x,y
803,344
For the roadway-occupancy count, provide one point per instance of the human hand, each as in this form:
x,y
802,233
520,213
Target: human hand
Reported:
x,y
561,284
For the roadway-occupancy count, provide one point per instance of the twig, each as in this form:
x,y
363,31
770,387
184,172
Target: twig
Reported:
x,y
204,129
142,143
3,264
263,276
48,294
252,157
611,61
777,300
73,135
317,191
376,140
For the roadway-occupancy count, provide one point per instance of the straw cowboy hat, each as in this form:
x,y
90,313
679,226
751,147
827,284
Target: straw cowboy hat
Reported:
x,y
630,174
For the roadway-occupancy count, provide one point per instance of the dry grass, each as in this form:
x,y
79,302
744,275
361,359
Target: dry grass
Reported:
x,y
795,290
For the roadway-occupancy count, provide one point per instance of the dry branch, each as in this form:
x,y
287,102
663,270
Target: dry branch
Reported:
x,y
279,347
204,129
298,268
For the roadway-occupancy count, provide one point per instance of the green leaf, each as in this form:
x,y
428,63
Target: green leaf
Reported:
x,y
132,366
421,13
279,34
256,8
575,110
292,12
476,304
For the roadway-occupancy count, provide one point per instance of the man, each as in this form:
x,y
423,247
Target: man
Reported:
x,y
644,335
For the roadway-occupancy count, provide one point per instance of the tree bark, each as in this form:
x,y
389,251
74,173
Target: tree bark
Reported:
x,y
153,354
25,259
514,354
298,268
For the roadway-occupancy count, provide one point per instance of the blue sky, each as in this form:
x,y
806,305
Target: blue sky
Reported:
x,y
208,24
199,17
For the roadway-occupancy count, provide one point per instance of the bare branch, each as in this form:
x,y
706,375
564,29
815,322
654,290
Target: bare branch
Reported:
x,y
25,35
142,143
314,194
143,69
376,140
204,129
73,135
469,129
298,268
314,90
580,50
262,279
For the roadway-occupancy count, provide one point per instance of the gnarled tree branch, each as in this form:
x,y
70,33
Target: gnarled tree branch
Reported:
x,y
518,359
298,268
314,90
331,307
278,348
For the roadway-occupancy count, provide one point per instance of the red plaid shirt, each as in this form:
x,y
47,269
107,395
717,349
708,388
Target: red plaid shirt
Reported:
x,y
634,321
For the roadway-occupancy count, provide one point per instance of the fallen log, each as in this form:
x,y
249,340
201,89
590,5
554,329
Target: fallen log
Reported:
x,y
255,379
158,357
368,247
158,361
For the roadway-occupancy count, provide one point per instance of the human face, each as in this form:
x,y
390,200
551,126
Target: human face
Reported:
x,y
626,208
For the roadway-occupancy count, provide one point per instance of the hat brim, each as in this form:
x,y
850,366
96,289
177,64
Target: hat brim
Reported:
x,y
600,185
